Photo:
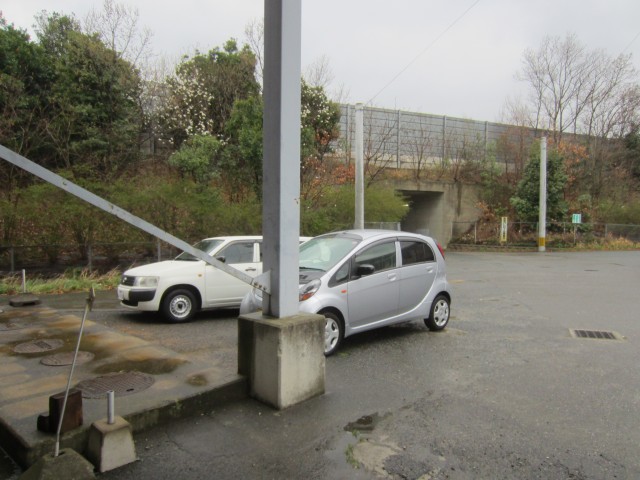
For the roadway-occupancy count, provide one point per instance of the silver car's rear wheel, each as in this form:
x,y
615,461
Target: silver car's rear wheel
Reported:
x,y
439,316
333,332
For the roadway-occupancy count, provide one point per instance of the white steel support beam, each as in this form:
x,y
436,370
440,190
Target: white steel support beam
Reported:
x,y
542,208
281,164
261,282
359,180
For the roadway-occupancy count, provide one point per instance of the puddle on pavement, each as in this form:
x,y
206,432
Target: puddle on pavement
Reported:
x,y
68,339
342,456
197,380
17,319
366,423
151,366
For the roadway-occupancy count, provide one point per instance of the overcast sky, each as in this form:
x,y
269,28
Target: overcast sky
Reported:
x,y
447,62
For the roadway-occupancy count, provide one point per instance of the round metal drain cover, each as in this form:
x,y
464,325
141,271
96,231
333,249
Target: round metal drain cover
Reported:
x,y
66,358
39,346
124,383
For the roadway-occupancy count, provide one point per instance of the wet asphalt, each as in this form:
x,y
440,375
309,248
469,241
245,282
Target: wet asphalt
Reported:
x,y
504,392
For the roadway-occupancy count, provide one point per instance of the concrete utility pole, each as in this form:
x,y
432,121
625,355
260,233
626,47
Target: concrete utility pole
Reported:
x,y
359,213
280,351
281,166
542,209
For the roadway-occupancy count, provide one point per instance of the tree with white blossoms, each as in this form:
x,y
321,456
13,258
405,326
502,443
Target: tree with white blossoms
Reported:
x,y
186,112
200,96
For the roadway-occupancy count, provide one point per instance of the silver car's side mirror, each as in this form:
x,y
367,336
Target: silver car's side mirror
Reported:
x,y
365,269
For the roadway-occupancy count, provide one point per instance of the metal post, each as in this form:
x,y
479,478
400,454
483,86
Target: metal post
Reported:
x,y
398,140
486,138
444,137
111,417
542,211
347,148
359,213
281,166
24,281
87,308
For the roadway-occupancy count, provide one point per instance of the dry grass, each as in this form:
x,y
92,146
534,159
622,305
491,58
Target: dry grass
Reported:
x,y
70,281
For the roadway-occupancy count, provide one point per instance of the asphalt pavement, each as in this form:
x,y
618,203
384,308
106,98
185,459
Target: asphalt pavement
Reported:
x,y
506,391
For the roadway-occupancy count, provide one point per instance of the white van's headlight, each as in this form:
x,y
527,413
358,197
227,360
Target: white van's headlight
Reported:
x,y
147,282
309,289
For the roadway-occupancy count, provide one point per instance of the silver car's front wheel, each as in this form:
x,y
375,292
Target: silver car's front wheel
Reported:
x,y
440,312
333,332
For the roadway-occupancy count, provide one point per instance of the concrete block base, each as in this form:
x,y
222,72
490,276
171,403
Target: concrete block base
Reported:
x,y
68,464
282,359
110,445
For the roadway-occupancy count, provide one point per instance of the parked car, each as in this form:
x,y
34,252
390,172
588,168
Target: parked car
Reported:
x,y
181,287
365,279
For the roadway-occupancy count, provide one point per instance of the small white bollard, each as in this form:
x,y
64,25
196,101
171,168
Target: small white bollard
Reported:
x,y
111,407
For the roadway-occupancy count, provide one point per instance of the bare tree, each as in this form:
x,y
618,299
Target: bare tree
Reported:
x,y
117,26
420,145
378,141
587,93
254,32
319,73
611,99
555,72
574,90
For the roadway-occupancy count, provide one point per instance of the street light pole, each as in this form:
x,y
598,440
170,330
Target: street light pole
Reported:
x,y
542,209
359,187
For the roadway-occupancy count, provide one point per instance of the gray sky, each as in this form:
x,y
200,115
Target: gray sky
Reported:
x,y
452,63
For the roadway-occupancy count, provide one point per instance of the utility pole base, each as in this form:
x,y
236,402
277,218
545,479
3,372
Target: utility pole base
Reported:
x,y
283,358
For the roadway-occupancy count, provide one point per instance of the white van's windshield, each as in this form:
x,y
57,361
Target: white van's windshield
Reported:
x,y
207,246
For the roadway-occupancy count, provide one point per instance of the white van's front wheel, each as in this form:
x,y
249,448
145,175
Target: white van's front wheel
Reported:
x,y
179,306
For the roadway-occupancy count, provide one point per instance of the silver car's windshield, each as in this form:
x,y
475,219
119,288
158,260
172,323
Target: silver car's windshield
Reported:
x,y
322,253
207,246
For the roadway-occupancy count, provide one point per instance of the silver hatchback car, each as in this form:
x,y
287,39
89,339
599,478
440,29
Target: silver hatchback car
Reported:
x,y
365,279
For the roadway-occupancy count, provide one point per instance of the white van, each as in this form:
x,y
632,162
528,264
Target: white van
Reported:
x,y
181,287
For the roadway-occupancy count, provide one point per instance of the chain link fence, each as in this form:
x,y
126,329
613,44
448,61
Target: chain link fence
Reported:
x,y
560,234
55,258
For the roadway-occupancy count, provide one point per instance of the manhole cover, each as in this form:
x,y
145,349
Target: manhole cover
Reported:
x,y
596,334
66,358
124,383
39,346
